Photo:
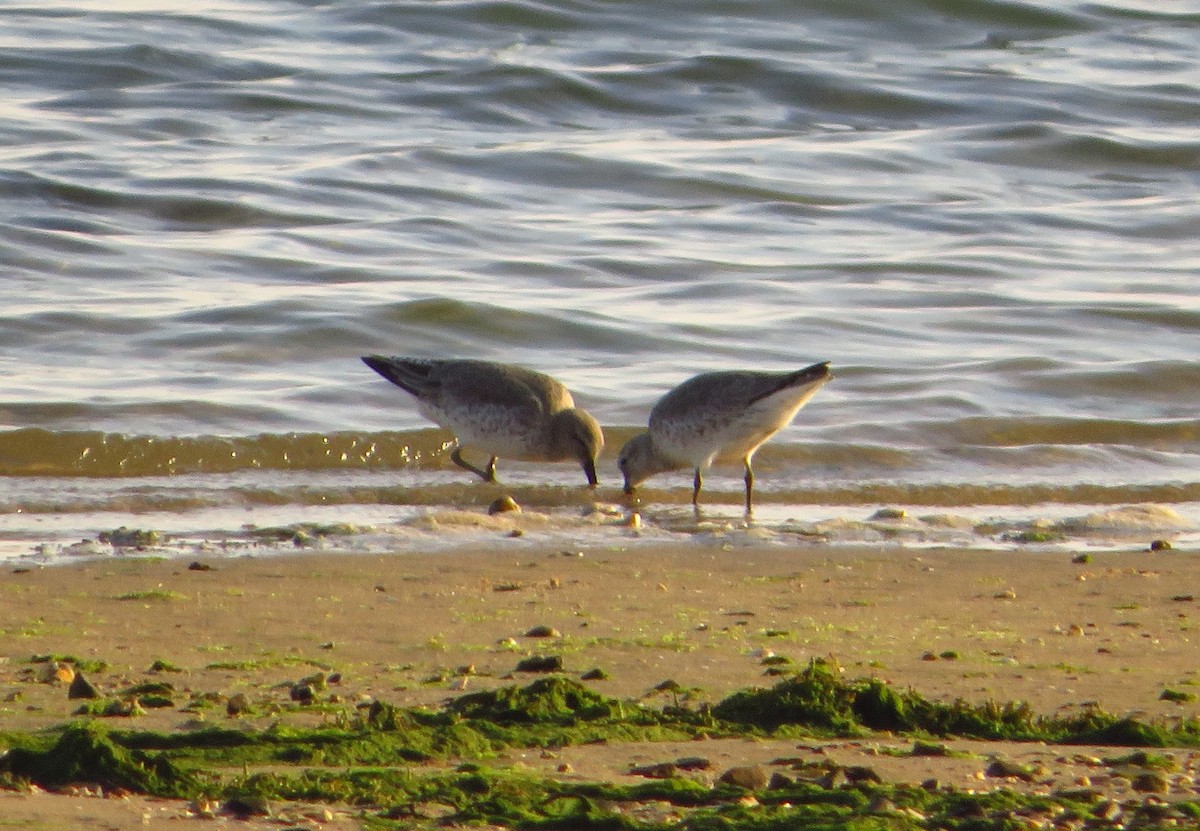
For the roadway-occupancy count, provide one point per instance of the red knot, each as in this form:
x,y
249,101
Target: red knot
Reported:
x,y
728,414
501,409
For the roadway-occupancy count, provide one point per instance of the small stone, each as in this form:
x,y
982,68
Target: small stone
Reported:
x,y
1150,783
565,767
317,681
596,674
1081,559
1007,594
127,708
1075,630
859,774
504,505
81,688
237,704
1160,545
750,777
303,693
889,513
658,770
543,632
540,663
780,781
244,807
693,763
633,521
196,565
881,805
835,778
1004,769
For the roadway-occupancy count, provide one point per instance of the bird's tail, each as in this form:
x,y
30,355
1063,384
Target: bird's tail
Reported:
x,y
810,375
409,374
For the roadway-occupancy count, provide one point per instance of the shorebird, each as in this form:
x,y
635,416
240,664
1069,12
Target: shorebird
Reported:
x,y
727,414
501,409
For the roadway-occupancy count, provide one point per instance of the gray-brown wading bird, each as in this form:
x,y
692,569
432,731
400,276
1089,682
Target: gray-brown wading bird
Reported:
x,y
716,414
501,409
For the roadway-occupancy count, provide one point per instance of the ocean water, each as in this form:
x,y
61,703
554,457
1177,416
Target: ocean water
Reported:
x,y
984,214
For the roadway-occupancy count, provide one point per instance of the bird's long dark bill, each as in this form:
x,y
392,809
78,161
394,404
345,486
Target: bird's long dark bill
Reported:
x,y
589,470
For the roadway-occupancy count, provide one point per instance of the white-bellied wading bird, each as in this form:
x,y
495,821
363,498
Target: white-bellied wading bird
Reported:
x,y
501,409
726,414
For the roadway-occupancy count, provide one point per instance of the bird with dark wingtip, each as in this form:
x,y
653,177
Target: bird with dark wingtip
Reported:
x,y
501,409
727,414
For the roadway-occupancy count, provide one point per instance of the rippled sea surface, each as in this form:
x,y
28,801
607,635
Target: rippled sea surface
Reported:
x,y
984,214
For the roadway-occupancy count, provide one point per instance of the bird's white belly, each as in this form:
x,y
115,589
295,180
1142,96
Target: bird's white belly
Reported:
x,y
498,431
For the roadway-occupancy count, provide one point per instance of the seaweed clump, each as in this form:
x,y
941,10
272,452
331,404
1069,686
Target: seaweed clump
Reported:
x,y
817,698
550,701
84,754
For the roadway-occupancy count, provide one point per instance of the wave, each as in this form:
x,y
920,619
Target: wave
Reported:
x,y
985,449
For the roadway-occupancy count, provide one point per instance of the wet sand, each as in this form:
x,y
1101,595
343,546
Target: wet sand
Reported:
x,y
418,628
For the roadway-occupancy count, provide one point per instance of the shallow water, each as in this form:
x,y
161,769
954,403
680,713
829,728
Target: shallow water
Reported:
x,y
983,214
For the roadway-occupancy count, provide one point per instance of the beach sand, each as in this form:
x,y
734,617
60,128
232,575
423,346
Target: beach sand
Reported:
x,y
412,629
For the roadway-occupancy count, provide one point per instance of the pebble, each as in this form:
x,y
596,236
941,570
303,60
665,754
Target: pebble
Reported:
x,y
81,688
750,777
237,704
504,505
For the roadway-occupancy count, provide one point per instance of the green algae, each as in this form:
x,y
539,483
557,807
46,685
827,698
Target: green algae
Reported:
x,y
80,664
818,699
385,759
86,753
547,701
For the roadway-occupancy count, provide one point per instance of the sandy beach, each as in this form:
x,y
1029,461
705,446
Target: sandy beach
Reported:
x,y
412,629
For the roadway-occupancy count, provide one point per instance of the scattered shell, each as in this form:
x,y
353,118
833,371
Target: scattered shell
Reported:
x,y
59,672
205,808
633,521
1007,594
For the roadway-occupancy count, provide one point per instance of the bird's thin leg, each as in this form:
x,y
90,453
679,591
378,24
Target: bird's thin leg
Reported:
x,y
696,483
749,489
488,475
